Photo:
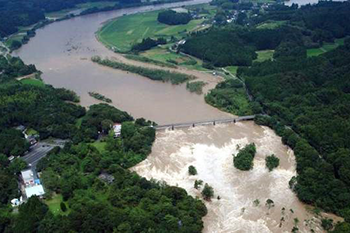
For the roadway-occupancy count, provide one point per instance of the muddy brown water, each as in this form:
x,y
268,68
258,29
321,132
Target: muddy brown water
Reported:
x,y
210,149
63,50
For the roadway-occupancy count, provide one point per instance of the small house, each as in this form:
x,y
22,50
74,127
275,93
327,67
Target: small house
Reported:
x,y
28,177
36,190
117,128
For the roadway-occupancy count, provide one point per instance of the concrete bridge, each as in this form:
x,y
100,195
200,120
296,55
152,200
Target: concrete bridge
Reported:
x,y
208,122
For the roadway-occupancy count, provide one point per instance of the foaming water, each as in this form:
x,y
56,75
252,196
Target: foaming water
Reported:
x,y
210,149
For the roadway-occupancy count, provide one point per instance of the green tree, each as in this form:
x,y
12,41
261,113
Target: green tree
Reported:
x,y
207,192
29,216
269,203
198,183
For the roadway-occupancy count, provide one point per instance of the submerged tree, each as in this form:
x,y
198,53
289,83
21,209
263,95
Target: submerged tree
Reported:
x,y
272,162
207,192
192,170
198,183
244,159
269,203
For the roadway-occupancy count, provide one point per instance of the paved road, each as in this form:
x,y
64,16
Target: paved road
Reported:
x,y
39,151
4,53
36,153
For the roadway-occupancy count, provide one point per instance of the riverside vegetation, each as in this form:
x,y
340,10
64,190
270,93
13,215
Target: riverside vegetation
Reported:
x,y
100,97
154,74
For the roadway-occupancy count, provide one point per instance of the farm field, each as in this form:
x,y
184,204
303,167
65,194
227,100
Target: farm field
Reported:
x,y
264,55
166,56
54,205
325,48
126,31
270,24
32,81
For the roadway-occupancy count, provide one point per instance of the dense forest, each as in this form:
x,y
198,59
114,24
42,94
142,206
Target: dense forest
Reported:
x,y
324,21
13,67
235,44
88,179
312,97
171,17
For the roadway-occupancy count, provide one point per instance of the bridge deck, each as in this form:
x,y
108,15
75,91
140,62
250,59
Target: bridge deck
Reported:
x,y
208,122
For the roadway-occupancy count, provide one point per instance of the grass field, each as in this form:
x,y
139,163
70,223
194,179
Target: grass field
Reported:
x,y
100,146
264,55
232,69
31,132
54,205
325,48
34,82
165,56
122,33
271,24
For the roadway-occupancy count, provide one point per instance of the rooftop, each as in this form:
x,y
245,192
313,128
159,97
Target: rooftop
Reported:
x,y
36,190
27,175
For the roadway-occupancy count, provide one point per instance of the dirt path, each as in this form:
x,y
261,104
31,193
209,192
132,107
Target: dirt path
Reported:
x,y
26,76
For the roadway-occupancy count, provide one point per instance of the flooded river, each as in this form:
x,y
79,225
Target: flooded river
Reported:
x,y
63,50
210,150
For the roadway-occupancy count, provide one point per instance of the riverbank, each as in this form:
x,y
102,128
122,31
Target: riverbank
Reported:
x,y
23,35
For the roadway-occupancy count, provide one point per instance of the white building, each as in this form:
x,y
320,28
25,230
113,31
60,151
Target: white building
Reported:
x,y
36,190
28,177
117,128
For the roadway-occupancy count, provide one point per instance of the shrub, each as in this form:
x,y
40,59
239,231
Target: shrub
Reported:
x,y
63,207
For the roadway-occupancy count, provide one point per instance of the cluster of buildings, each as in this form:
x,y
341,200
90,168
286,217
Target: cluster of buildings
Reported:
x,y
30,186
